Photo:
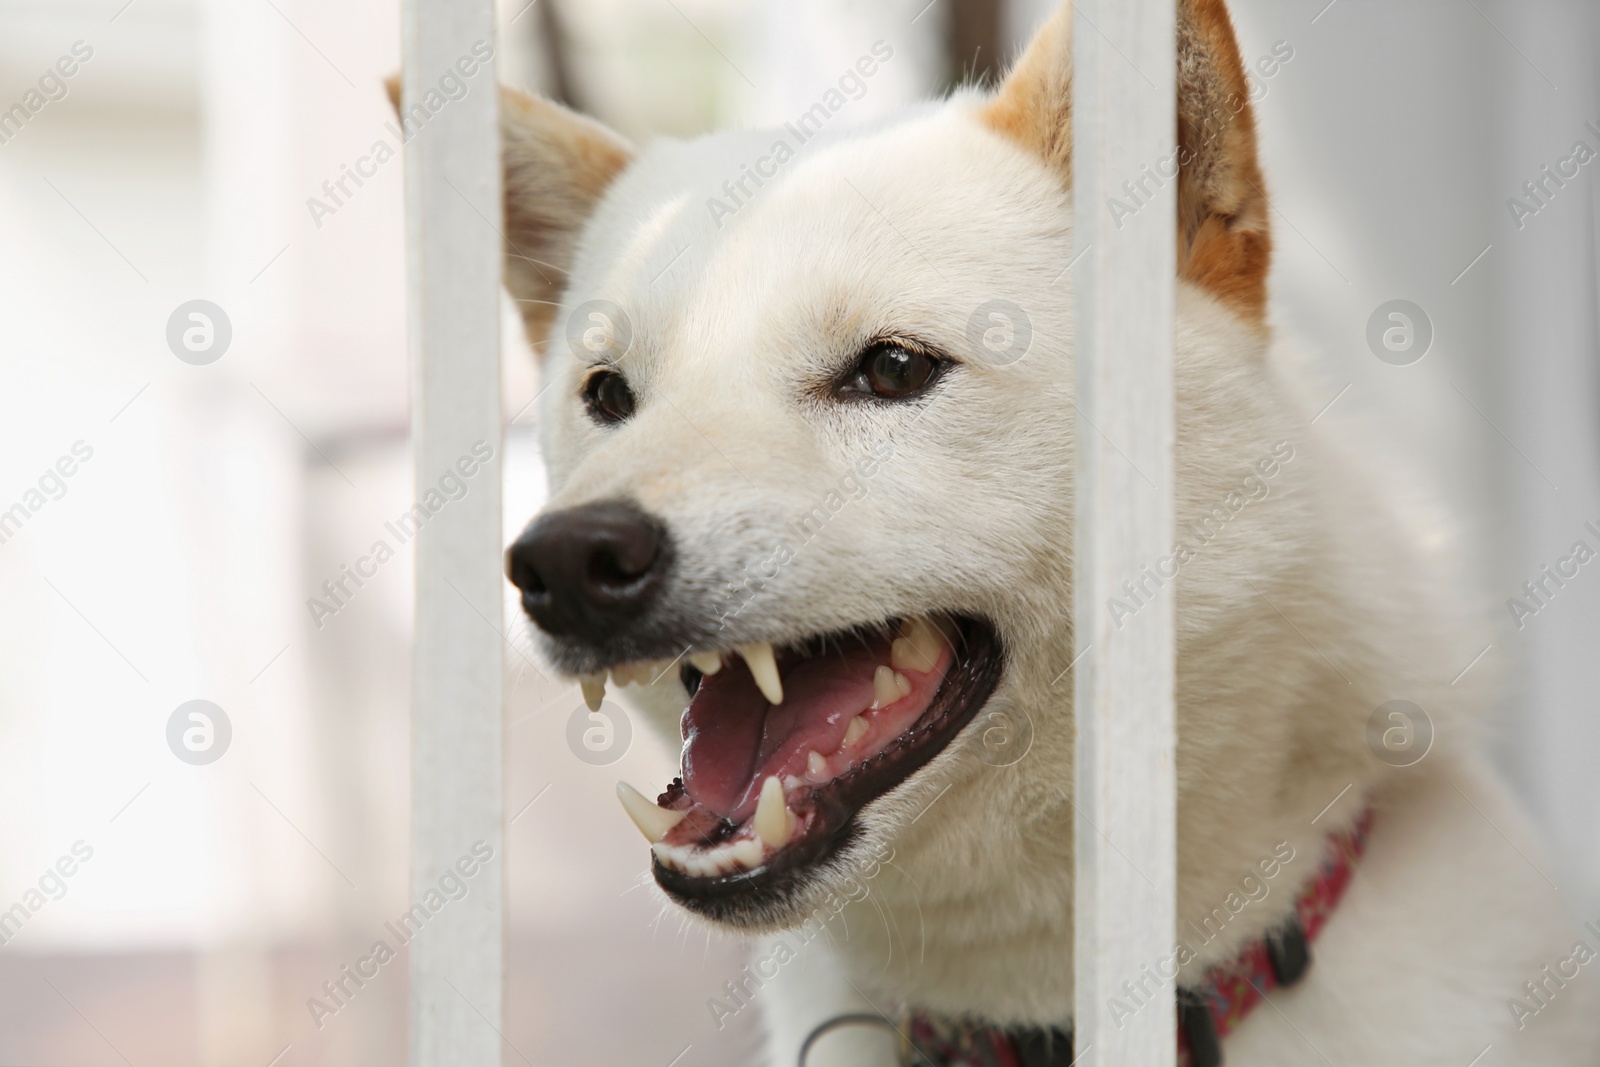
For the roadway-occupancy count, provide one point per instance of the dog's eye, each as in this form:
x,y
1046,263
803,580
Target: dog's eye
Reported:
x,y
608,397
891,372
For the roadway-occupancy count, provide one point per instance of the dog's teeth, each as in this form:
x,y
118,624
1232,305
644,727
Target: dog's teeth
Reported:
x,y
902,684
594,690
764,669
816,765
622,674
748,852
773,822
707,663
855,731
884,689
652,820
918,647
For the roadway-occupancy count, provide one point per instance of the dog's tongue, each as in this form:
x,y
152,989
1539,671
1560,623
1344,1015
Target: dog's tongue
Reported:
x,y
734,739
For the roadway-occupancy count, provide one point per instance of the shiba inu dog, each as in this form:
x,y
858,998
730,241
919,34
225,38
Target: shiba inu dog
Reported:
x,y
816,517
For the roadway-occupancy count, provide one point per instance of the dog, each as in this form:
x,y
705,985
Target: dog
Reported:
x,y
815,515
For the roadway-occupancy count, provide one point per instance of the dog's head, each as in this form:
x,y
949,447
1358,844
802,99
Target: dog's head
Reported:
x,y
808,413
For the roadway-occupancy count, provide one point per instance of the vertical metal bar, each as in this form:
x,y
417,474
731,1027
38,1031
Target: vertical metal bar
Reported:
x,y
453,178
1123,119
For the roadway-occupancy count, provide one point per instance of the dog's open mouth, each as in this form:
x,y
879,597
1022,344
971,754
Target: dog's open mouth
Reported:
x,y
783,747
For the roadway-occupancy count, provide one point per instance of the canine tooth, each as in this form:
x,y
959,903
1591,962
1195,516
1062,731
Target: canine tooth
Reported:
x,y
773,822
816,764
594,690
707,663
764,668
855,731
903,684
652,820
884,688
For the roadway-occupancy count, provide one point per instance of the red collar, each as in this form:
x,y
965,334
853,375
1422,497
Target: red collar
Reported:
x,y
1207,1013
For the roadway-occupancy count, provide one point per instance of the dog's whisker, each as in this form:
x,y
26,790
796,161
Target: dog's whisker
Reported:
x,y
916,898
888,934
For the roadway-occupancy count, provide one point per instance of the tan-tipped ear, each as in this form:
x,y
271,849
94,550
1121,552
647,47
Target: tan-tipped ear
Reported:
x,y
558,164
1224,240
1033,106
1224,236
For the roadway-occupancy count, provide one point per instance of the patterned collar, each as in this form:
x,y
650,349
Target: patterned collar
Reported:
x,y
1206,1014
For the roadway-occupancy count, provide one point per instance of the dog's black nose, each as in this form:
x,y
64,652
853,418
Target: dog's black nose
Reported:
x,y
586,571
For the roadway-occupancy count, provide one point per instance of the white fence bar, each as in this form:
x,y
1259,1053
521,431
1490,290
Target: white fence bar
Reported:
x,y
453,177
1123,687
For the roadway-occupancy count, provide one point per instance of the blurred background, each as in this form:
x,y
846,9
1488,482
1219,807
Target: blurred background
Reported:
x,y
164,522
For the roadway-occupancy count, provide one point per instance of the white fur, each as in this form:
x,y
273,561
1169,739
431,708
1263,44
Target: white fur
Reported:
x,y
1310,608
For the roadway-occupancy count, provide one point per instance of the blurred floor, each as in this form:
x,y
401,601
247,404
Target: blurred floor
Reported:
x,y
607,1003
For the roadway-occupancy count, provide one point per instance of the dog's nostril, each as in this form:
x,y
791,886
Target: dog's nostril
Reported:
x,y
626,561
606,569
523,575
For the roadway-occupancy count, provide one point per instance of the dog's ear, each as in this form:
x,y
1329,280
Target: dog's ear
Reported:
x,y
1224,240
1034,104
558,164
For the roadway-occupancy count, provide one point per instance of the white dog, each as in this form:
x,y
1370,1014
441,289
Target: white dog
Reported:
x,y
797,476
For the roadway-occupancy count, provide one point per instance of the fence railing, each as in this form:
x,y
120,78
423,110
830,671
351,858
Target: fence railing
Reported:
x,y
1124,117
454,256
